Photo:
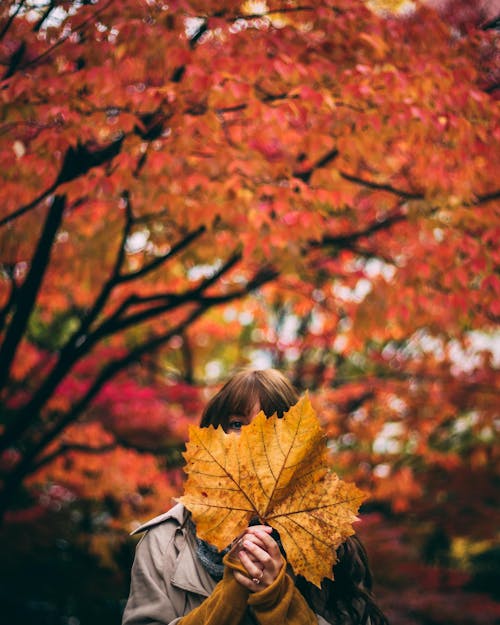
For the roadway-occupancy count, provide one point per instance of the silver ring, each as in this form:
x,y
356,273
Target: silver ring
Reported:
x,y
255,580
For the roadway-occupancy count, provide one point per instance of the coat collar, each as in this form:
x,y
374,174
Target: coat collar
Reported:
x,y
177,513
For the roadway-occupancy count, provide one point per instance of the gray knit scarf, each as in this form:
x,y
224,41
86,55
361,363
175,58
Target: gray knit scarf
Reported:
x,y
211,558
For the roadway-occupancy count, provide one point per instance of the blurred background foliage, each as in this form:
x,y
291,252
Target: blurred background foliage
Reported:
x,y
192,188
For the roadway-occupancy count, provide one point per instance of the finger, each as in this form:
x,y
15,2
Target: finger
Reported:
x,y
254,570
242,579
237,544
252,564
253,585
250,556
253,529
271,561
257,552
261,536
253,538
263,561
268,542
249,533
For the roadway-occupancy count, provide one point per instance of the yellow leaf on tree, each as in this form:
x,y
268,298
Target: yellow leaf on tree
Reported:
x,y
276,470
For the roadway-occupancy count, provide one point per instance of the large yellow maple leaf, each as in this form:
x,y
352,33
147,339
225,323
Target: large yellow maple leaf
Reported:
x,y
276,470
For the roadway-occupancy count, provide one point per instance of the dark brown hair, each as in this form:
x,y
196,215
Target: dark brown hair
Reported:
x,y
348,599
239,395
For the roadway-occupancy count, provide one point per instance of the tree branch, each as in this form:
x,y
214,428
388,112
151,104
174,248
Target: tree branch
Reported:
x,y
68,447
112,281
322,162
407,195
80,28
346,240
28,292
12,17
50,7
487,197
79,344
178,247
77,162
9,304
33,450
115,323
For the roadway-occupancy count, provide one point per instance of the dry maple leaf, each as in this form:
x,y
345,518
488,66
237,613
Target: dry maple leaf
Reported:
x,y
275,469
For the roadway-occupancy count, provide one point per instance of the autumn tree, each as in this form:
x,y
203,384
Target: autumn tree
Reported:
x,y
335,161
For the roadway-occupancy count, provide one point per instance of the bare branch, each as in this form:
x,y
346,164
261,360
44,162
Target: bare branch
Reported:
x,y
12,17
26,465
28,292
9,304
178,247
407,195
77,162
346,240
116,323
322,162
80,28
487,197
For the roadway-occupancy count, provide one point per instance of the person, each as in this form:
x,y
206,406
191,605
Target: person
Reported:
x,y
177,578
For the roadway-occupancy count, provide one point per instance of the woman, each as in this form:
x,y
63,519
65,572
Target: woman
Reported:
x,y
180,579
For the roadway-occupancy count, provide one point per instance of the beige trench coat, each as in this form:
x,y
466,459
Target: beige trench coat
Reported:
x,y
168,580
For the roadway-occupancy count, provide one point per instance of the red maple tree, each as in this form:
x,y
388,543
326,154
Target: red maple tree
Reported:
x,y
162,163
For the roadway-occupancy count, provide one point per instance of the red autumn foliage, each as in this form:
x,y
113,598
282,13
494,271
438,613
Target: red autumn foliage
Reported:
x,y
192,186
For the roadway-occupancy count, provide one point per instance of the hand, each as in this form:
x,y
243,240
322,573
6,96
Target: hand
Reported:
x,y
260,555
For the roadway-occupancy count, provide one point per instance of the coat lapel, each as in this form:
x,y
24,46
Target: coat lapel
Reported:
x,y
189,574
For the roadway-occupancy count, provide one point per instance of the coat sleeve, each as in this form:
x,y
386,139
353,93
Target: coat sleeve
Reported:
x,y
282,602
225,606
148,600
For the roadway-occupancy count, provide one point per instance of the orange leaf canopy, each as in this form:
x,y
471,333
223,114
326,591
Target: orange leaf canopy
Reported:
x,y
276,470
